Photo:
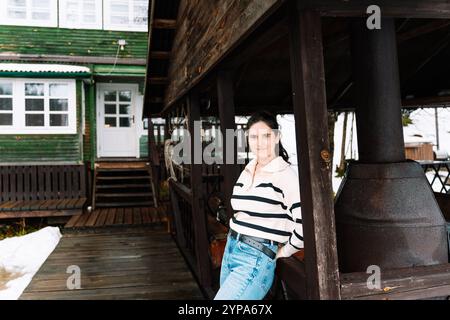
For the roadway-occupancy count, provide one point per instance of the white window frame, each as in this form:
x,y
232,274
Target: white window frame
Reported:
x,y
7,96
108,25
19,112
28,21
65,23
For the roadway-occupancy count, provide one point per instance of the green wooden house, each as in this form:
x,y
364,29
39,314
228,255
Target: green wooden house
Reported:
x,y
71,88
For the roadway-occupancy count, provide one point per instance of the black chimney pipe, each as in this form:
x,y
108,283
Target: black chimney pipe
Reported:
x,y
386,213
377,86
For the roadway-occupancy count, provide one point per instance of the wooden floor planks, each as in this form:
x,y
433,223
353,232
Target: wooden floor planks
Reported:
x,y
105,217
118,263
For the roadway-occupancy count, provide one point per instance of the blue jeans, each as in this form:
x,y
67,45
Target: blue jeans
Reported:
x,y
246,273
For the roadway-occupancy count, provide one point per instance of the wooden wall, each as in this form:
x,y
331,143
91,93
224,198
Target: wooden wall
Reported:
x,y
420,151
26,148
71,42
206,31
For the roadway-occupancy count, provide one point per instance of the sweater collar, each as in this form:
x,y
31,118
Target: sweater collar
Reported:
x,y
276,165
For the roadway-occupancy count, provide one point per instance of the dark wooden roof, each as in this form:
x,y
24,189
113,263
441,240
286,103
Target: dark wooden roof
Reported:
x,y
261,59
163,22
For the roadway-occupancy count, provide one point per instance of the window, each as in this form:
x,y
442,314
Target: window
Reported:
x,y
30,13
37,106
118,109
126,15
80,14
6,104
121,15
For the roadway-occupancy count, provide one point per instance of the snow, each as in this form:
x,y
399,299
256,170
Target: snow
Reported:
x,y
421,130
29,67
424,124
24,256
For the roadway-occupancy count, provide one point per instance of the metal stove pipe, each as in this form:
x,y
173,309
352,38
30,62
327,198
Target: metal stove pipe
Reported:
x,y
386,213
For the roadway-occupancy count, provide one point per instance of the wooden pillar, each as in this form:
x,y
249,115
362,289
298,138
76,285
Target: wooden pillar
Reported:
x,y
198,208
154,153
92,121
174,198
310,109
230,171
154,158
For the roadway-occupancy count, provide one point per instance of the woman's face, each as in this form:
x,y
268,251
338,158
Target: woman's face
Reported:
x,y
262,140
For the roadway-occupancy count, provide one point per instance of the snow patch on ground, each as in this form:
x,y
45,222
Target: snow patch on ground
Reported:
x,y
21,258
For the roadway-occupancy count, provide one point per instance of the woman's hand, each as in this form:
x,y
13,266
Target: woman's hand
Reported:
x,y
281,253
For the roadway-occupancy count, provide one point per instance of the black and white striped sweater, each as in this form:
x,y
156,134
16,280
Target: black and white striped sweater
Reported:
x,y
268,205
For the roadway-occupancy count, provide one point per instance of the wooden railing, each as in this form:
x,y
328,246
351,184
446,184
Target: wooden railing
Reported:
x,y
42,190
441,170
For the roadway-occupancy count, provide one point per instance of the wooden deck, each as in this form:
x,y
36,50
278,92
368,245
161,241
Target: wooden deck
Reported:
x,y
115,263
107,217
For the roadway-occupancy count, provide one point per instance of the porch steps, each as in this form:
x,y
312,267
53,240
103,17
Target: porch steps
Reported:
x,y
121,177
123,185
120,186
120,204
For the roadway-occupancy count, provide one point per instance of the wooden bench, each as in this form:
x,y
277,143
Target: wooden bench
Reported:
x,y
42,190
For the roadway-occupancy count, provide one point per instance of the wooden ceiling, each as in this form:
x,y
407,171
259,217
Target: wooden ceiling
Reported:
x,y
262,71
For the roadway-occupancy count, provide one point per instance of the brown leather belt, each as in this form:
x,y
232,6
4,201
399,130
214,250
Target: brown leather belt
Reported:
x,y
254,242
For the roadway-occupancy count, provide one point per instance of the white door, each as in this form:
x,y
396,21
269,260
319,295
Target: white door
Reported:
x,y
116,122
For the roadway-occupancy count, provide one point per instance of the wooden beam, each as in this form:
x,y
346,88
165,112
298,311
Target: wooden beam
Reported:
x,y
164,24
419,102
158,80
431,53
40,213
198,209
225,95
432,9
422,30
404,283
156,99
310,109
402,37
264,39
211,37
160,55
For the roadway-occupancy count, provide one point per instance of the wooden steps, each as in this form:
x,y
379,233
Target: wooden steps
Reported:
x,y
123,184
119,186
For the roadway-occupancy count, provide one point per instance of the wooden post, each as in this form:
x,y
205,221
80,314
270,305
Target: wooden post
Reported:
x,y
310,109
174,198
154,159
92,121
198,209
230,171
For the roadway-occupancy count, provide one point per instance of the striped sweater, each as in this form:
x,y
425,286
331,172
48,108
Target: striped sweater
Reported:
x,y
268,205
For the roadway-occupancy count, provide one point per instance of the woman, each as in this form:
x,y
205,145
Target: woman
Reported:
x,y
266,224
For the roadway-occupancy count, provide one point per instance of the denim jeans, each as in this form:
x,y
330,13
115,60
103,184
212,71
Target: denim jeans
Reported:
x,y
246,273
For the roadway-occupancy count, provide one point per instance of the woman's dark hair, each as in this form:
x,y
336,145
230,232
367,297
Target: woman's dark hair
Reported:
x,y
271,121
